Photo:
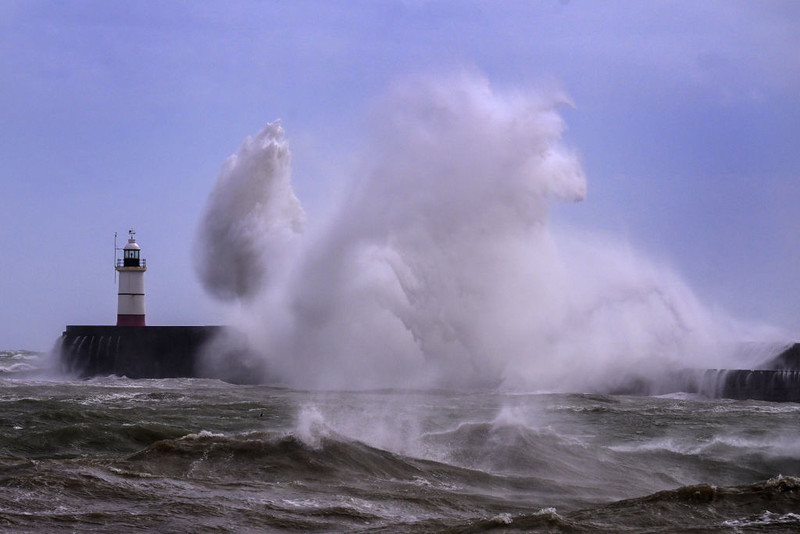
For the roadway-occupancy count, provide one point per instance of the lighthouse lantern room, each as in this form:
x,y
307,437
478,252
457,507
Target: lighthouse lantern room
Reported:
x,y
130,295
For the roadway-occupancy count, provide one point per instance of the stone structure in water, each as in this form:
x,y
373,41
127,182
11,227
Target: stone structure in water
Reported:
x,y
135,350
757,384
777,380
158,352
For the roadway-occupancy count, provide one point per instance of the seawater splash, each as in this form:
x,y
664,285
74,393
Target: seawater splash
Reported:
x,y
251,217
440,268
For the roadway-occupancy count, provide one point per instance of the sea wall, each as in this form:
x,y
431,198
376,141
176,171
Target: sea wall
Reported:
x,y
767,385
776,380
219,352
788,360
134,351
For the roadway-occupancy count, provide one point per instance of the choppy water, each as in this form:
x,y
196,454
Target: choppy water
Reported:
x,y
190,455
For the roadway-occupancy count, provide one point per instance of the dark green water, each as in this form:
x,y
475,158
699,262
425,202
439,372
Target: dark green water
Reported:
x,y
186,455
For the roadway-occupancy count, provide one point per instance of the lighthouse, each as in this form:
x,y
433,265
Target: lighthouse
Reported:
x,y
131,348
130,296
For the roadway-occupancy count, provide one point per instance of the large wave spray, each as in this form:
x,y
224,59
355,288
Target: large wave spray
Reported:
x,y
439,268
251,218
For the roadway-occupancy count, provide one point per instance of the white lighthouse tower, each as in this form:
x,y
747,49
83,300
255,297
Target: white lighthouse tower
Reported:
x,y
130,296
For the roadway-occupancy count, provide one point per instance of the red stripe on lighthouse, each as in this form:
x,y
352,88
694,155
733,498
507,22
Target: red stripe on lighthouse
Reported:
x,y
130,320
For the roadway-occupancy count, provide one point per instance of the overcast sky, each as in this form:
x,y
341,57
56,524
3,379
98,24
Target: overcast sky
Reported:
x,y
118,115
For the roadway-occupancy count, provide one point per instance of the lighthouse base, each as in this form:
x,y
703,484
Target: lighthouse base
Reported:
x,y
130,320
151,352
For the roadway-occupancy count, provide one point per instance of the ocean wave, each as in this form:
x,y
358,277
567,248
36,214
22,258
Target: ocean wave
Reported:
x,y
703,505
506,447
267,455
17,367
275,458
765,506
765,447
23,363
72,434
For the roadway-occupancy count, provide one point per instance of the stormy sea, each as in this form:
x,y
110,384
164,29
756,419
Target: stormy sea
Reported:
x,y
434,356
197,455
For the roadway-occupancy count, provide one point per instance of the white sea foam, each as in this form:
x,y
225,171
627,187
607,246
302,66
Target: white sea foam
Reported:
x,y
767,519
770,446
203,434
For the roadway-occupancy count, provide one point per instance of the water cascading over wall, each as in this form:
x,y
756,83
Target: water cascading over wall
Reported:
x,y
132,351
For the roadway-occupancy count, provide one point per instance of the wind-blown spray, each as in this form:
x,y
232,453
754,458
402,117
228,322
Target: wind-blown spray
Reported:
x,y
251,217
440,269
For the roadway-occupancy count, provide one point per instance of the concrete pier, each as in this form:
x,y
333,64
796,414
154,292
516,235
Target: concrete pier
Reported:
x,y
759,384
134,351
776,380
178,352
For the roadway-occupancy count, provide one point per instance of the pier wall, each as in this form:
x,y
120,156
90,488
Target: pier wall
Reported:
x,y
134,351
178,351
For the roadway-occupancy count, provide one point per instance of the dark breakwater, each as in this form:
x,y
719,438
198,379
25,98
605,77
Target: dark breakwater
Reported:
x,y
742,384
772,385
178,352
134,351
775,380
